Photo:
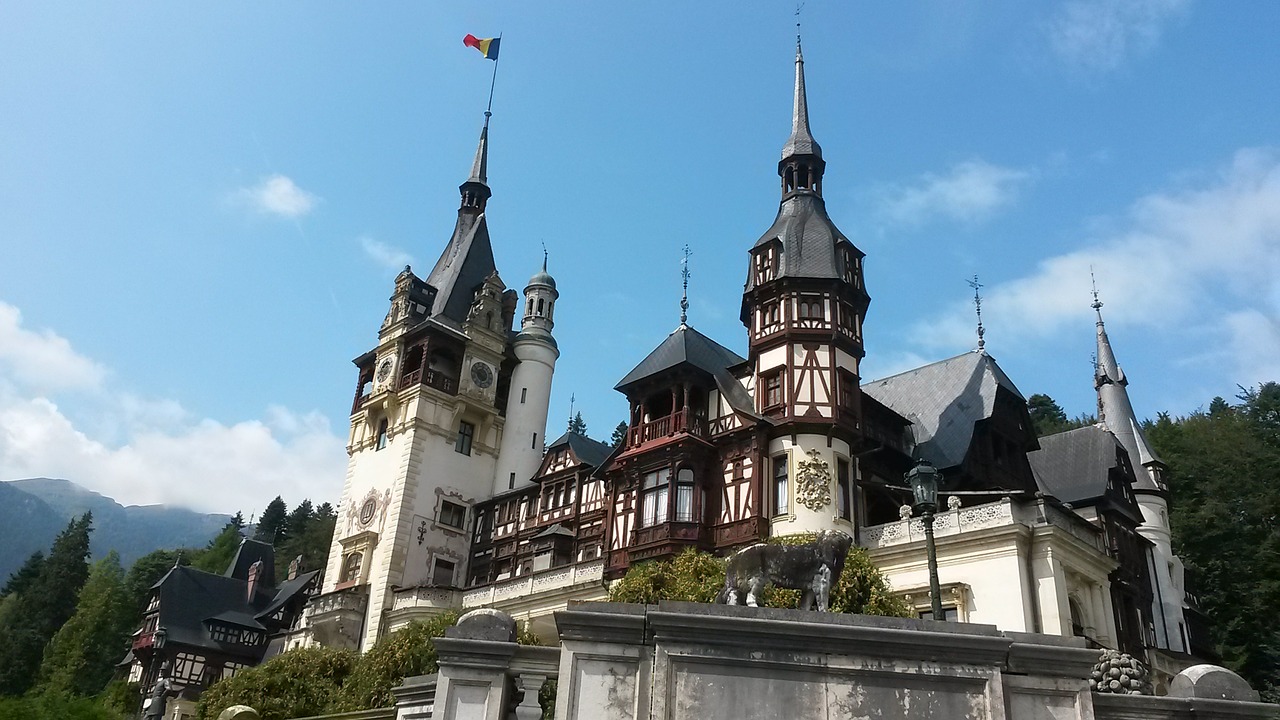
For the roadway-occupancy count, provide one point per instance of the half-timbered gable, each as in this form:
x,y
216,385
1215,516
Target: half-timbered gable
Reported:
x,y
555,521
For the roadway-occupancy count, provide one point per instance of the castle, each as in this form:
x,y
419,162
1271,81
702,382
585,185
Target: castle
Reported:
x,y
456,498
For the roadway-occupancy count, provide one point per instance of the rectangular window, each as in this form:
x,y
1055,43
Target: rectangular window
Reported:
x,y
950,614
511,481
655,489
466,432
844,490
524,395
684,495
534,443
452,514
773,389
442,572
781,501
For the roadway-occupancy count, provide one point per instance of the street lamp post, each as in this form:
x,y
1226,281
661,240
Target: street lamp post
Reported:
x,y
923,479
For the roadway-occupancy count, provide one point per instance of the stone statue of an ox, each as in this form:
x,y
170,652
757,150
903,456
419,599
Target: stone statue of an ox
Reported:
x,y
811,567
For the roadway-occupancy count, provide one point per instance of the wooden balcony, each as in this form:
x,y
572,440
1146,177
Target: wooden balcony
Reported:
x,y
665,427
431,378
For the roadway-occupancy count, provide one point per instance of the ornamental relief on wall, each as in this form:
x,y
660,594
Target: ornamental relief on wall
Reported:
x,y
813,482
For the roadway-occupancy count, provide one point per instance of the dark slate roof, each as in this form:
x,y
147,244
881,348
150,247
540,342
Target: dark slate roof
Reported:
x,y
801,141
808,237
465,263
591,452
288,590
1074,466
189,597
687,346
943,401
249,552
556,529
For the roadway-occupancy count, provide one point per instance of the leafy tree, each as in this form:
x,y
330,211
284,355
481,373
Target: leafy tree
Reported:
x,y
1224,482
406,652
221,550
271,526
577,425
35,614
619,435
146,571
22,578
81,657
300,683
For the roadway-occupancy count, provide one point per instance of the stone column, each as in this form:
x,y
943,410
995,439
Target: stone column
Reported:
x,y
474,657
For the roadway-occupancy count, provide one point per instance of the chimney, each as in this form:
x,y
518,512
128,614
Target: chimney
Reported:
x,y
294,567
254,570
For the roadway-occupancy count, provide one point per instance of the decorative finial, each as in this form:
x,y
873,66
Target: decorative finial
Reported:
x,y
1097,304
684,298
544,256
977,305
572,399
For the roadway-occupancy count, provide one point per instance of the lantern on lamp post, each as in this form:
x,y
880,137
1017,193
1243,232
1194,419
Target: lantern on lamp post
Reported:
x,y
923,479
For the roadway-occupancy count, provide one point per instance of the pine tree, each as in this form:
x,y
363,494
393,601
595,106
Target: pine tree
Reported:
x,y
35,614
297,521
80,659
271,526
577,425
147,570
309,533
238,520
619,435
25,575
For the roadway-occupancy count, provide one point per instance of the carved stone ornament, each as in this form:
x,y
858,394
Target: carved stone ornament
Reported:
x,y
813,482
367,509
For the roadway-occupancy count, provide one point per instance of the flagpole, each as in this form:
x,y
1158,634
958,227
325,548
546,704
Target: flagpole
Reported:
x,y
488,111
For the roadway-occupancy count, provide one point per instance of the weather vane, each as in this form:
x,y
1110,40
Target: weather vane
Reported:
x,y
977,305
1097,304
684,275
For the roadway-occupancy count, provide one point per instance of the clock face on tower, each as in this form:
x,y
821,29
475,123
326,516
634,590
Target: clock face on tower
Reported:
x,y
481,375
384,370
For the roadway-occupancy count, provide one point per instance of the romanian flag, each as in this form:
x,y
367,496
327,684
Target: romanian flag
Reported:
x,y
487,46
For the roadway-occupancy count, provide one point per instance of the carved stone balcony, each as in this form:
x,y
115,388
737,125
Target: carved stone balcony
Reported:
x,y
561,578
337,618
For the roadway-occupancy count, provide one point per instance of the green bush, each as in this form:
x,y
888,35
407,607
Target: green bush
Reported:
x,y
53,706
298,683
695,576
404,653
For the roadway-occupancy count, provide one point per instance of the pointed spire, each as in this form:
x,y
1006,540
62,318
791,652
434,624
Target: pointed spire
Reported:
x,y
801,141
475,191
1115,411
480,166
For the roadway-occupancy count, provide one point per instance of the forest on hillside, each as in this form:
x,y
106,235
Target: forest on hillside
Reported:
x,y
66,622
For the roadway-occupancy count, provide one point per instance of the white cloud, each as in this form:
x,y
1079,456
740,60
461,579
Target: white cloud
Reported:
x,y
42,360
1206,255
1099,35
384,254
971,191
278,195
148,450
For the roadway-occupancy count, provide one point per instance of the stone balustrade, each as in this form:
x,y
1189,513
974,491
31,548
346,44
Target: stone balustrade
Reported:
x,y
997,514
538,582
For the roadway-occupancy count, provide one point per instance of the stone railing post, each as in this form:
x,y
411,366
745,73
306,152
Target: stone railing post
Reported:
x,y
605,662
474,658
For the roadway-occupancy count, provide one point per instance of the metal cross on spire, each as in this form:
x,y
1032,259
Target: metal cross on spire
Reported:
x,y
684,297
977,305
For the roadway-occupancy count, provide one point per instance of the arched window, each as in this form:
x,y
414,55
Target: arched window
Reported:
x,y
351,567
382,434
1077,616
684,495
539,307
529,307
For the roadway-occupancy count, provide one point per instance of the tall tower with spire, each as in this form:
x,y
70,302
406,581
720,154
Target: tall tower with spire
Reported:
x,y
1115,412
529,397
803,308
426,425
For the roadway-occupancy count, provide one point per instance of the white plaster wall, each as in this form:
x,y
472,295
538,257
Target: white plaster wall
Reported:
x,y
770,359
519,454
800,518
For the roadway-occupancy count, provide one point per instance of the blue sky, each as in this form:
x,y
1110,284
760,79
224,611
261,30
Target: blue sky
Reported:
x,y
203,205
